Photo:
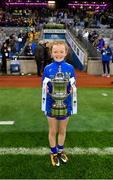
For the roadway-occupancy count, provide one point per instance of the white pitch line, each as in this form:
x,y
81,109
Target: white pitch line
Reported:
x,y
7,122
45,151
104,94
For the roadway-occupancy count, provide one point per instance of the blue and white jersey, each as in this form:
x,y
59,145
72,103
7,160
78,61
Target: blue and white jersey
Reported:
x,y
50,72
106,54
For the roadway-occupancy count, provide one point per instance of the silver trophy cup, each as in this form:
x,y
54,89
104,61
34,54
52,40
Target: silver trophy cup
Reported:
x,y
59,94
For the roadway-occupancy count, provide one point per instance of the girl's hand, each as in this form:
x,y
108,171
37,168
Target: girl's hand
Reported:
x,y
47,89
71,90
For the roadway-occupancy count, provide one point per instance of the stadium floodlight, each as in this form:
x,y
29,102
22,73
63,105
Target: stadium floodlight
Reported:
x,y
26,4
88,4
51,2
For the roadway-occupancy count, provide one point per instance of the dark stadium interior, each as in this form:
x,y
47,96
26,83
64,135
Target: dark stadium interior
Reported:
x,y
28,18
59,3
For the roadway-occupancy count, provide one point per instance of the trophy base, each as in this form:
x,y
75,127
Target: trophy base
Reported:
x,y
59,112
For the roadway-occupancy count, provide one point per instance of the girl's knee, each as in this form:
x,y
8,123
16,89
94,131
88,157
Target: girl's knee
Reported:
x,y
62,131
52,132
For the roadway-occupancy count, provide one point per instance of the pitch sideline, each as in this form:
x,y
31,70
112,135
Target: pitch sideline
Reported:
x,y
45,151
7,122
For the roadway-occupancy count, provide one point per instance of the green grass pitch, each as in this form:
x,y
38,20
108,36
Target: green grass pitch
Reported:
x,y
91,127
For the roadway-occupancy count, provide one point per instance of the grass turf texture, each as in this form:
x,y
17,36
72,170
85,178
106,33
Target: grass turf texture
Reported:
x,y
36,167
91,127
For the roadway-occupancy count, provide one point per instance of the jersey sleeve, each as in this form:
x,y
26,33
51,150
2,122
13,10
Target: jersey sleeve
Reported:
x,y
72,72
45,74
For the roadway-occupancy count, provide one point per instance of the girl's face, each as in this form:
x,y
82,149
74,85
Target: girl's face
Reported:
x,y
58,52
106,46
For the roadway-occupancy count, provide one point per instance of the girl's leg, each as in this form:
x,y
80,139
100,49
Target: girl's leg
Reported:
x,y
62,131
104,67
61,140
52,122
108,68
52,141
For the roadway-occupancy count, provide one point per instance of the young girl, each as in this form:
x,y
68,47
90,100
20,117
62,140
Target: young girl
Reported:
x,y
106,58
59,50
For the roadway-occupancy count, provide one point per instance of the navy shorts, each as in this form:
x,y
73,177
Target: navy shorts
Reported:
x,y
58,118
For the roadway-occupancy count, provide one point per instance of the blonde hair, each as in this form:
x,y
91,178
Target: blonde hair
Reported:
x,y
58,43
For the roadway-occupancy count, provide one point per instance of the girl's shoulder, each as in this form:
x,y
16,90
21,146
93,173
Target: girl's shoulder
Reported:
x,y
49,66
69,65
108,49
